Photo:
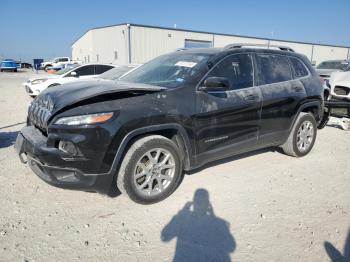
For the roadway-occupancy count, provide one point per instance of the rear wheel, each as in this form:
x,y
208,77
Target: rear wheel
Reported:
x,y
151,170
302,137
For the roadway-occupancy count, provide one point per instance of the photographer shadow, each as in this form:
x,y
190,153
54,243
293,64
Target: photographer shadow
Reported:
x,y
201,235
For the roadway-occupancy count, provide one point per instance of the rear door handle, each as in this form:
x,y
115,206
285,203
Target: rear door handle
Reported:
x,y
251,97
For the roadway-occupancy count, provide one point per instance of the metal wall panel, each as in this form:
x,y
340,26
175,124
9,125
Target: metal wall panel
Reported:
x,y
223,40
82,48
110,45
148,43
100,45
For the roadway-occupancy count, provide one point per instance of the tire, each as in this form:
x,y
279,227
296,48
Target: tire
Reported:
x,y
290,147
46,67
137,163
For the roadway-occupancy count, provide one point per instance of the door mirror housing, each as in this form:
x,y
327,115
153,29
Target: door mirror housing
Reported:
x,y
74,74
215,84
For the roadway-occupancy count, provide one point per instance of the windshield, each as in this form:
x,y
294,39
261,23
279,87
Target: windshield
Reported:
x,y
341,65
65,70
116,72
171,71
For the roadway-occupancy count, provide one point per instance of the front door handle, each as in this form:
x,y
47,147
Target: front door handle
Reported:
x,y
297,88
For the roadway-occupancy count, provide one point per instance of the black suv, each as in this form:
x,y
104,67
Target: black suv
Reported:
x,y
177,112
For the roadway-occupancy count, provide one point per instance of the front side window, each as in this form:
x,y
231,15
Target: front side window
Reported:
x,y
85,70
63,60
273,69
298,68
238,69
171,71
65,70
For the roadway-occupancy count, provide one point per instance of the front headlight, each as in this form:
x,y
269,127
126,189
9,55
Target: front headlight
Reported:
x,y
38,81
84,119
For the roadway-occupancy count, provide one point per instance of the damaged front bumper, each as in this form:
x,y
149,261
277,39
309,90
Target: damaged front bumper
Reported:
x,y
335,108
32,147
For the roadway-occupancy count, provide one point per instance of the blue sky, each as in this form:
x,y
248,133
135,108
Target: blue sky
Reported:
x,y
46,28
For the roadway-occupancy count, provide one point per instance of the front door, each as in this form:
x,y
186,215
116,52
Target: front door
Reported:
x,y
228,121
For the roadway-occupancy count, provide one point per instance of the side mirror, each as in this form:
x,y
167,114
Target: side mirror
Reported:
x,y
74,74
212,84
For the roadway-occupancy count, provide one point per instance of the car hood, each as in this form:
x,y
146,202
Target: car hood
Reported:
x,y
341,76
326,72
59,97
44,77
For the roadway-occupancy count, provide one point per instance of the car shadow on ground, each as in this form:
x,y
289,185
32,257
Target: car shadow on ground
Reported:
x,y
233,158
200,234
335,255
7,138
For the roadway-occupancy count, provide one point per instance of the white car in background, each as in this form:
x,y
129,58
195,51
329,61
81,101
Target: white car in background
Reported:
x,y
37,84
340,85
58,62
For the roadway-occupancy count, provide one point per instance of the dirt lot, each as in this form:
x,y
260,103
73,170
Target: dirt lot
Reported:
x,y
264,206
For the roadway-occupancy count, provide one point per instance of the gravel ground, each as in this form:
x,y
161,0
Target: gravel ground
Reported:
x,y
264,206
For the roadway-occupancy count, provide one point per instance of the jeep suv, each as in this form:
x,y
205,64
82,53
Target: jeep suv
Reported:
x,y
173,114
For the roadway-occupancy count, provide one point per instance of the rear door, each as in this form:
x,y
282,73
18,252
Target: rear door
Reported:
x,y
281,95
228,121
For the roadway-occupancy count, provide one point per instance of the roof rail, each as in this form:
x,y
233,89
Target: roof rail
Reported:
x,y
181,49
283,48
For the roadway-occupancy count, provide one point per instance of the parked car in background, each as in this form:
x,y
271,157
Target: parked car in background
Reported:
x,y
326,68
58,61
37,84
8,65
25,65
177,112
340,85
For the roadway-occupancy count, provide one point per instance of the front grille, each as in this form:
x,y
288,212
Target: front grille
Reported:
x,y
40,111
341,90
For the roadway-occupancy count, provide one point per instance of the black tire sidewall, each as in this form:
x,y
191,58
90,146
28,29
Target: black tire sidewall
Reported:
x,y
306,117
130,186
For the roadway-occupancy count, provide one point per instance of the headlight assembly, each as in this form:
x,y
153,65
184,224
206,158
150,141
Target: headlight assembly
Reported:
x,y
84,119
38,81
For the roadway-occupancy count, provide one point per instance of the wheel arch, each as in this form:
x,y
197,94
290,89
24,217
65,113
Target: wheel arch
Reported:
x,y
315,107
174,132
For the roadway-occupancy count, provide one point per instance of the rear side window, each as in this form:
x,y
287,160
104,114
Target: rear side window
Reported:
x,y
238,69
273,69
298,68
63,59
99,69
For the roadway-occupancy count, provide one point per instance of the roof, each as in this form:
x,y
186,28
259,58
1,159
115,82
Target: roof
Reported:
x,y
206,32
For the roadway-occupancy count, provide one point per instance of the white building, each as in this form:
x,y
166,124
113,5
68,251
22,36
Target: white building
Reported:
x,y
136,44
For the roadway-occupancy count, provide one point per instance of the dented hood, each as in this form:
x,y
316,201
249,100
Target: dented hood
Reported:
x,y
59,97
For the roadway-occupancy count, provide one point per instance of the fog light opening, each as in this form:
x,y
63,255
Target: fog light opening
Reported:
x,y
67,147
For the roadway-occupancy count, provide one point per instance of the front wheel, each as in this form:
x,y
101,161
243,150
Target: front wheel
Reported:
x,y
302,137
151,170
